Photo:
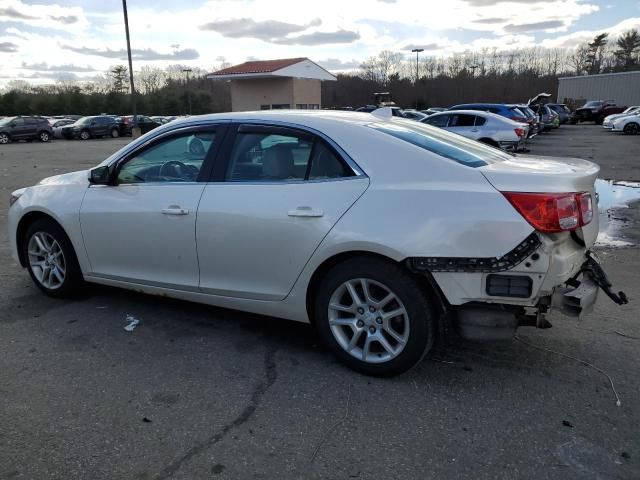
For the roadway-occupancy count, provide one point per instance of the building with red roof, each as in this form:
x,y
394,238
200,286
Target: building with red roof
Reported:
x,y
275,84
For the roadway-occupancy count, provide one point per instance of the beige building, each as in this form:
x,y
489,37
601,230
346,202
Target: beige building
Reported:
x,y
275,84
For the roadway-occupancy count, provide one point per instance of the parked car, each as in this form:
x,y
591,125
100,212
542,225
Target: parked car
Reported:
x,y
125,124
484,241
629,124
564,113
485,127
511,112
161,120
92,127
26,128
595,111
608,120
58,125
535,125
548,117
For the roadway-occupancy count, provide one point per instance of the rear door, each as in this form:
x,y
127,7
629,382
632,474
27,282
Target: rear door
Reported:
x,y
463,124
19,129
278,194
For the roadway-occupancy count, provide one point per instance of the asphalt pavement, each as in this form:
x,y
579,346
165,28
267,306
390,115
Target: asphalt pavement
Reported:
x,y
199,392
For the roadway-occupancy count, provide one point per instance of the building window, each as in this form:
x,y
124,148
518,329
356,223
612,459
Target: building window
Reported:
x,y
302,106
265,107
280,106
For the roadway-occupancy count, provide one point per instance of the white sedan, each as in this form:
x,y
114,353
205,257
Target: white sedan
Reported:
x,y
383,232
629,124
607,123
486,127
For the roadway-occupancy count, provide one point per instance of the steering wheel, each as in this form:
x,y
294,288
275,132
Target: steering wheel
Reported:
x,y
173,168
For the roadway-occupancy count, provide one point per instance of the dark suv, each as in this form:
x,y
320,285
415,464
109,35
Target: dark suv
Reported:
x,y
92,127
25,128
595,111
125,124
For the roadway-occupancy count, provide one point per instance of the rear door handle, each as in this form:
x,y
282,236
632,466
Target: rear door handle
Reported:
x,y
305,212
175,211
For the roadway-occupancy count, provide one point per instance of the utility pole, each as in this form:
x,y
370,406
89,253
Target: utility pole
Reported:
x,y
417,52
188,71
135,130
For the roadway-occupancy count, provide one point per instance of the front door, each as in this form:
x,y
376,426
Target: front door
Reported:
x,y
282,192
142,228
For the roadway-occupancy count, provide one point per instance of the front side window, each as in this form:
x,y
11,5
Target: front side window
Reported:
x,y
282,156
178,158
441,142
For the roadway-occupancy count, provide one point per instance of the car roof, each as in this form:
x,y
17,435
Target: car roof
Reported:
x,y
483,105
477,113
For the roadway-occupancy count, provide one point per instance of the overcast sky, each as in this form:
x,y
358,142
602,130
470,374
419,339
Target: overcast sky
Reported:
x,y
42,41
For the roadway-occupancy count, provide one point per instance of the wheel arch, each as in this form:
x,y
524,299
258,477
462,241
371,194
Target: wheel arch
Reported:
x,y
23,225
425,279
489,141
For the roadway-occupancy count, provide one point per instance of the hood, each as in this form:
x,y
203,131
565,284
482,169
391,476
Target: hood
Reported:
x,y
73,178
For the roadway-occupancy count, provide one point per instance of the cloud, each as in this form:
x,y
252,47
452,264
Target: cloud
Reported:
x,y
60,76
65,19
486,3
136,53
43,66
14,14
267,30
574,39
320,38
491,21
337,64
424,46
8,47
532,27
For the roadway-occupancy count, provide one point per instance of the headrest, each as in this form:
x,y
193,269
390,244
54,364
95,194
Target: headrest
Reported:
x,y
277,162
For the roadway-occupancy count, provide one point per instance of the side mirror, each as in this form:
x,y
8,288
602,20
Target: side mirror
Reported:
x,y
100,176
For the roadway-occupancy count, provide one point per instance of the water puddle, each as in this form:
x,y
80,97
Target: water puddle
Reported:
x,y
617,224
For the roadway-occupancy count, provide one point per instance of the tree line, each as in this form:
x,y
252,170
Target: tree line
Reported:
x,y
484,75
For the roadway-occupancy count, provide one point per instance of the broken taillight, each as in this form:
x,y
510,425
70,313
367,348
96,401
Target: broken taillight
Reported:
x,y
553,212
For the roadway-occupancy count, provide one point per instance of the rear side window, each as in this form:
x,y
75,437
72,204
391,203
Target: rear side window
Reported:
x,y
438,120
449,145
480,121
262,156
462,120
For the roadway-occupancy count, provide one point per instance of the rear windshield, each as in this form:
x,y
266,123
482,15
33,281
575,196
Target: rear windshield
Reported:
x,y
593,103
449,145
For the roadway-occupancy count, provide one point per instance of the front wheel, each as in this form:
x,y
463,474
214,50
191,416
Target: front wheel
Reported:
x,y
375,316
631,129
85,135
51,260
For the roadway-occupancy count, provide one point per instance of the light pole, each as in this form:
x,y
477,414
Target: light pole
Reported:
x,y
417,52
473,70
135,130
188,71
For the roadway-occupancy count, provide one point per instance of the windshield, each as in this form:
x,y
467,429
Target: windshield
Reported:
x,y
449,145
6,121
84,120
631,109
593,103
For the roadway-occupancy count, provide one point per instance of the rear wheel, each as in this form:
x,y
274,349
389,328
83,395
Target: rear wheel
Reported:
x,y
51,260
631,129
115,133
375,316
4,138
44,136
85,135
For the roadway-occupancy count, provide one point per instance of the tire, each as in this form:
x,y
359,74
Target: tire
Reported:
x,y
4,138
44,136
85,135
631,129
60,257
412,326
599,120
115,133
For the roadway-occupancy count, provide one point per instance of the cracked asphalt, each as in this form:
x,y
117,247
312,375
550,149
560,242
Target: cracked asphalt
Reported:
x,y
199,392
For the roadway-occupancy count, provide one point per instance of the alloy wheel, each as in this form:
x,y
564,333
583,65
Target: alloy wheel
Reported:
x,y
44,137
368,320
46,260
631,129
84,135
4,138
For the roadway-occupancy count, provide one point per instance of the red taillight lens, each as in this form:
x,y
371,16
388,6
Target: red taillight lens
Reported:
x,y
586,207
519,132
553,212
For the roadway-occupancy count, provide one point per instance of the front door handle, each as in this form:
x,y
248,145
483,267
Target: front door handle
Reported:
x,y
173,210
305,212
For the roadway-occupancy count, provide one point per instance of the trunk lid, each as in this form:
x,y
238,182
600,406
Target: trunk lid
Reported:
x,y
537,174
